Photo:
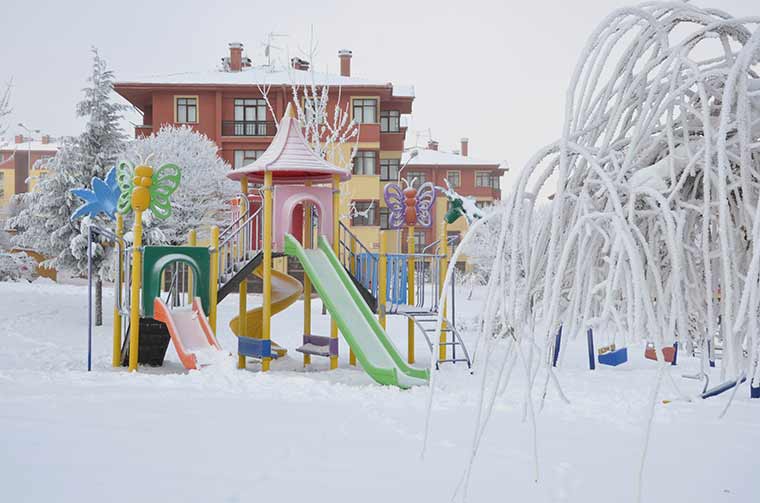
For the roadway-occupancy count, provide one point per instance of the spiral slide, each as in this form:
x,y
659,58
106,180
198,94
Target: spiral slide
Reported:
x,y
285,291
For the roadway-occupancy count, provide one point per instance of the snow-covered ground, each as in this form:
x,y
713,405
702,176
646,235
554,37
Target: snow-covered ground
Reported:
x,y
225,435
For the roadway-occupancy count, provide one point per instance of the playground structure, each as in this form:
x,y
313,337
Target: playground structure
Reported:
x,y
295,215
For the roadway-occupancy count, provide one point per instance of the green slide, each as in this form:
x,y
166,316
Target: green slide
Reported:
x,y
375,352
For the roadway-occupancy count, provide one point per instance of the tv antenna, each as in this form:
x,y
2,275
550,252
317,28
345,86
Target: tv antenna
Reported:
x,y
268,45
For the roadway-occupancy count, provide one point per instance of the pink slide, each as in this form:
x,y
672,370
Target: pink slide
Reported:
x,y
189,330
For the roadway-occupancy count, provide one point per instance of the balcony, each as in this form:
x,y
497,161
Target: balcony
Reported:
x,y
248,128
143,130
393,140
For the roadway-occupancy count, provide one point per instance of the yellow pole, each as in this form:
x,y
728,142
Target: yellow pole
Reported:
x,y
410,293
306,280
116,351
382,286
213,277
336,238
442,277
140,202
192,239
352,265
243,287
266,313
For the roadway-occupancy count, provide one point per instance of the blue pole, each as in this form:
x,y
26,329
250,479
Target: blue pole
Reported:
x,y
557,341
591,359
675,352
89,299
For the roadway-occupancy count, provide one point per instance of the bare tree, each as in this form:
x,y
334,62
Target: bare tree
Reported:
x,y
5,106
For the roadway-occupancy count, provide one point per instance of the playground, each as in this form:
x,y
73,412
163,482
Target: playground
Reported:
x,y
210,407
607,347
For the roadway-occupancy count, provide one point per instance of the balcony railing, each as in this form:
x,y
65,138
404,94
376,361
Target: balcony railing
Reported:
x,y
248,128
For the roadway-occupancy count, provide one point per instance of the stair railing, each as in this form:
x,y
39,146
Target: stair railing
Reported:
x,y
357,259
244,206
242,240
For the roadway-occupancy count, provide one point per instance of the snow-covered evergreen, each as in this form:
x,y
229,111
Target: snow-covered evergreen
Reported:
x,y
205,191
43,220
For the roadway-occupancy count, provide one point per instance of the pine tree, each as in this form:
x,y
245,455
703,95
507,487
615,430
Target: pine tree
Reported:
x,y
43,222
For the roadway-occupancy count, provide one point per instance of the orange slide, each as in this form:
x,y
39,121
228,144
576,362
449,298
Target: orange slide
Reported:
x,y
285,291
189,329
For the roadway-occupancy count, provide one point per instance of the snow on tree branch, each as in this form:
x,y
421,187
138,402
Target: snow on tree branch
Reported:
x,y
654,227
5,107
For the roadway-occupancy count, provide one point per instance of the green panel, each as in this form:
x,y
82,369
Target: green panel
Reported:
x,y
155,260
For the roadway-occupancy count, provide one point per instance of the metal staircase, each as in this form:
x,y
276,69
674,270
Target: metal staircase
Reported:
x,y
239,249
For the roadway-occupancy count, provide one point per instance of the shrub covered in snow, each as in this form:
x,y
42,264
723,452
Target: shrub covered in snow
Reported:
x,y
204,192
17,267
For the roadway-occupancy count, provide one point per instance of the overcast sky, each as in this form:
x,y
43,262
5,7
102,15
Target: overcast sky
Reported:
x,y
493,71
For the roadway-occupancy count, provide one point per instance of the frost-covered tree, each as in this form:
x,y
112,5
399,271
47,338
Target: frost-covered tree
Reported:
x,y
654,230
204,192
327,125
43,221
5,107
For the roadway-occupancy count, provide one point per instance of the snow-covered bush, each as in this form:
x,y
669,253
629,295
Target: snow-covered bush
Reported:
x,y
17,267
204,192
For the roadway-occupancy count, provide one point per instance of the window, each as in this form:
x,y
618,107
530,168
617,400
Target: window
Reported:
x,y
419,175
454,178
495,181
385,214
364,214
364,162
483,179
419,240
250,117
453,239
244,157
187,110
390,121
365,111
389,169
483,205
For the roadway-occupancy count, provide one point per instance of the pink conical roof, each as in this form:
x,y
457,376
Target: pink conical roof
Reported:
x,y
290,158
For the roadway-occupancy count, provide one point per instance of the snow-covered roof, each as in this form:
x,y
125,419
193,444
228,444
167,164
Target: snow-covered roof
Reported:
x,y
34,146
290,158
263,75
428,157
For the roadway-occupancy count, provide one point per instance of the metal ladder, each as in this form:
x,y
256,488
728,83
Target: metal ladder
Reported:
x,y
427,321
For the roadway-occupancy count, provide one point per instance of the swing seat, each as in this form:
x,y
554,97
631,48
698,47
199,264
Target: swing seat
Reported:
x,y
614,358
651,354
754,391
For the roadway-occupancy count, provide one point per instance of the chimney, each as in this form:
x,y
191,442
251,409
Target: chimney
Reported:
x,y
465,146
236,56
45,139
432,145
345,62
19,138
299,64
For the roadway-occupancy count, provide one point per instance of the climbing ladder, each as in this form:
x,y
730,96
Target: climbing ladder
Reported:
x,y
362,266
